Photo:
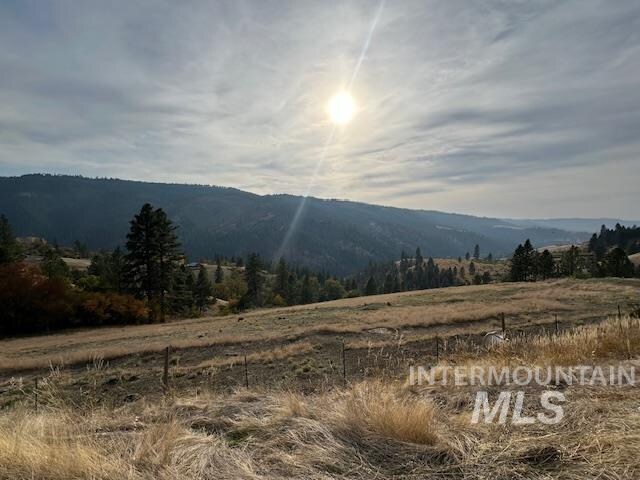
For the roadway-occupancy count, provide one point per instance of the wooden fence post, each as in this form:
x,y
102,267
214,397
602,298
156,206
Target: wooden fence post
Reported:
x,y
556,324
36,393
437,349
619,313
165,374
344,366
504,325
246,373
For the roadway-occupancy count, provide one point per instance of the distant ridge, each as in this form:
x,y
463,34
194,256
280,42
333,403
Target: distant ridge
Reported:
x,y
339,236
574,224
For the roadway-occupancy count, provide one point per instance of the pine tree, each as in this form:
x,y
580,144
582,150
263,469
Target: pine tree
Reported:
x,y
153,255
467,256
476,252
180,295
419,258
203,289
546,265
109,269
10,250
570,261
219,276
306,294
524,263
281,285
617,264
253,277
371,287
472,268
419,276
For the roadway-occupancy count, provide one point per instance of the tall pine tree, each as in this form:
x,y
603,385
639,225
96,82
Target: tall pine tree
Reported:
x,y
203,289
153,256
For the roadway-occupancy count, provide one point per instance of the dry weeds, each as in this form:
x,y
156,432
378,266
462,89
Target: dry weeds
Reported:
x,y
372,429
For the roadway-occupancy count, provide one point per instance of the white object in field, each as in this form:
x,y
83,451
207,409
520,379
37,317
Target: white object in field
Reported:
x,y
493,338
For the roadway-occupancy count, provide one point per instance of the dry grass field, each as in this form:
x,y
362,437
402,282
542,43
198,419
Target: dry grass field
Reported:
x,y
498,269
382,318
369,429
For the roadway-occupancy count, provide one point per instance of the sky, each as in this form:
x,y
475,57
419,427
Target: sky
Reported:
x,y
493,108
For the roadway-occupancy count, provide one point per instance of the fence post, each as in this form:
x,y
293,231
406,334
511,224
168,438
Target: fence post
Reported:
x,y
556,324
246,373
504,325
437,349
344,366
165,374
619,313
36,393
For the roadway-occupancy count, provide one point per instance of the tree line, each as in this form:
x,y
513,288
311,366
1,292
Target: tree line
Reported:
x,y
527,264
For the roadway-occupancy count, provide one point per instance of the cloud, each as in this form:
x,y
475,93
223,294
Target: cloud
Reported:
x,y
490,107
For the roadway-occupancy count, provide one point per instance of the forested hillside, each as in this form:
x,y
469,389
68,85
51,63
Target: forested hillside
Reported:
x,y
338,236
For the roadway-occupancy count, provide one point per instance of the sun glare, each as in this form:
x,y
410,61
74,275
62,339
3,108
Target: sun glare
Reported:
x,y
342,108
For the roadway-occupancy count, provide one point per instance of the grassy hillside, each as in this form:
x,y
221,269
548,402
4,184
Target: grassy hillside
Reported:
x,y
339,236
372,428
409,320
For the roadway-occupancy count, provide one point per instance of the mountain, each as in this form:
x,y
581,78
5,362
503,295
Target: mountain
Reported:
x,y
573,224
339,236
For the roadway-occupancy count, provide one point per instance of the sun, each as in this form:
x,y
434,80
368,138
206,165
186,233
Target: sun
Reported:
x,y
341,108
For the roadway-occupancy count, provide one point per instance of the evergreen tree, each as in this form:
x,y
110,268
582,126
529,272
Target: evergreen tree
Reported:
x,y
203,289
281,286
109,269
570,261
546,265
472,268
432,274
490,257
419,258
53,266
180,297
10,250
253,277
371,287
467,256
524,263
476,252
153,255
404,268
617,264
219,275
306,294
486,277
